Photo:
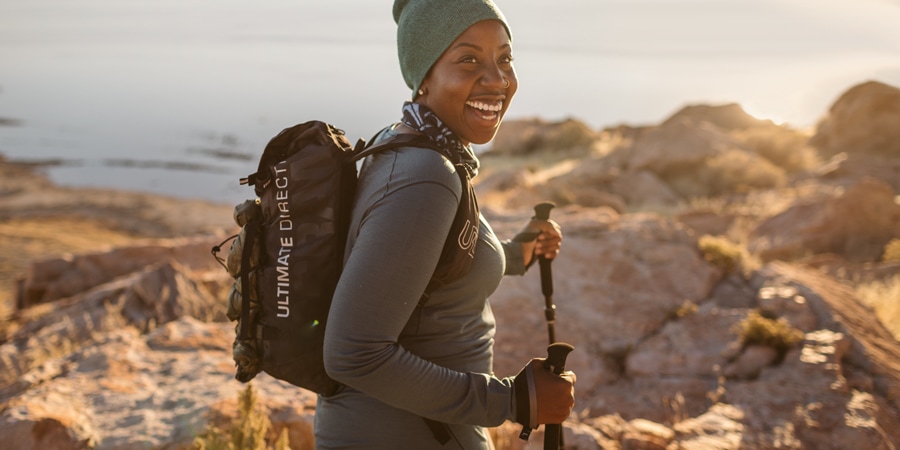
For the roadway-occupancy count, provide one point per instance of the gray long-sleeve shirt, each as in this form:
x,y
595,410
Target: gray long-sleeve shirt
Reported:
x,y
401,362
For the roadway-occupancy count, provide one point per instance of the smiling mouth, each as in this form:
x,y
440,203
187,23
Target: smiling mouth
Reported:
x,y
487,111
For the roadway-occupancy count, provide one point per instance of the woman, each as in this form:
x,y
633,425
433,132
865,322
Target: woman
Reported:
x,y
419,376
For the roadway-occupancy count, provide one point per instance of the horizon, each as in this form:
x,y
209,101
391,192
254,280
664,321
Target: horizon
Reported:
x,y
150,81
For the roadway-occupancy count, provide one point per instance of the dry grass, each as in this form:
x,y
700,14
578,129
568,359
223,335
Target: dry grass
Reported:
x,y
892,250
248,432
721,252
758,329
884,297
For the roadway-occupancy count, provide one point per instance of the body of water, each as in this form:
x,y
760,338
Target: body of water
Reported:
x,y
180,96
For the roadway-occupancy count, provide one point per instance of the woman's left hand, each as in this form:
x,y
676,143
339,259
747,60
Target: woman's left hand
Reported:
x,y
548,242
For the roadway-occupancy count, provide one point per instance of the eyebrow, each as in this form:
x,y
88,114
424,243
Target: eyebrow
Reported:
x,y
477,47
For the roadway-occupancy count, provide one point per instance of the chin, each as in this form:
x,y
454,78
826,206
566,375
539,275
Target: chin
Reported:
x,y
484,138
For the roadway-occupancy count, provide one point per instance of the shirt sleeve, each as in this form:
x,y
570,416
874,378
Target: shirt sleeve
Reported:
x,y
392,258
515,259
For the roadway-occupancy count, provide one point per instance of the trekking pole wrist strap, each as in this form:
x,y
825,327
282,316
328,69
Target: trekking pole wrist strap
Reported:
x,y
526,398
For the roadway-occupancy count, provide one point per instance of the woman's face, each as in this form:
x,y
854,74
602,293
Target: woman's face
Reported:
x,y
472,83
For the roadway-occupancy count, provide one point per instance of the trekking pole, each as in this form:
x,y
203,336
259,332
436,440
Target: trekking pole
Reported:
x,y
542,212
557,351
556,363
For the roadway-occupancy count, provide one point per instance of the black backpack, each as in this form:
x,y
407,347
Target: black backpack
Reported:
x,y
288,256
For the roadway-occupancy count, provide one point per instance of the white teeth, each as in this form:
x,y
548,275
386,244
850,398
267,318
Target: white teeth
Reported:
x,y
486,107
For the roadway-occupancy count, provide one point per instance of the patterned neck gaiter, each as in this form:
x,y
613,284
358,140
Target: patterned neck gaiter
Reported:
x,y
424,120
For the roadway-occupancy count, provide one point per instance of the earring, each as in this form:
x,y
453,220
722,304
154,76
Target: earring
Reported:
x,y
422,91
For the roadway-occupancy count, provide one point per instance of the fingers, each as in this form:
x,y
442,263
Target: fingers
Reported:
x,y
548,246
555,394
549,241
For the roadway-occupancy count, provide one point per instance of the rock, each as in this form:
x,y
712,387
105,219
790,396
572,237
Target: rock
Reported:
x,y
645,434
856,223
848,169
143,300
721,428
61,277
698,159
677,147
690,346
614,288
727,117
751,362
704,221
159,390
646,189
734,292
863,120
837,309
524,137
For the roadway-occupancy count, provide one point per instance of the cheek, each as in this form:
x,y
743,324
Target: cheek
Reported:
x,y
513,87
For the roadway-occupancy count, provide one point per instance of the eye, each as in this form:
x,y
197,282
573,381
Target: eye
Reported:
x,y
506,59
468,59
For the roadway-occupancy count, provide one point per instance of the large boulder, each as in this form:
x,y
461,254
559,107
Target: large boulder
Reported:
x,y
728,117
618,280
862,120
698,159
67,275
856,223
529,136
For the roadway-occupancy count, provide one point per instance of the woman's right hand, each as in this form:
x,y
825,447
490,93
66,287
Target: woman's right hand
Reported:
x,y
553,395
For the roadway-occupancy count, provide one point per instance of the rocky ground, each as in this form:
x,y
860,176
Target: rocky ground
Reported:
x,y
114,335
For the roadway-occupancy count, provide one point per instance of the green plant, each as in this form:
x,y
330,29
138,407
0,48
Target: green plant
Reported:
x,y
757,329
721,252
248,431
884,297
892,250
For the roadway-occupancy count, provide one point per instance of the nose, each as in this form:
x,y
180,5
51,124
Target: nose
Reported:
x,y
494,77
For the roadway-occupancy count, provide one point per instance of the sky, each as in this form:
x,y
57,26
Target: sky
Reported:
x,y
786,59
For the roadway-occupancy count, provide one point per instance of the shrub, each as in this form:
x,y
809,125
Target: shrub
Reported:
x,y
787,149
721,252
757,329
737,172
248,431
884,297
892,250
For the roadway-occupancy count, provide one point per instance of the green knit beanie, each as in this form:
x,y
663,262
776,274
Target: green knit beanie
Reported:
x,y
426,28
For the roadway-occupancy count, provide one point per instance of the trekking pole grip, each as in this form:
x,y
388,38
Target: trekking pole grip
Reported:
x,y
557,353
556,363
542,210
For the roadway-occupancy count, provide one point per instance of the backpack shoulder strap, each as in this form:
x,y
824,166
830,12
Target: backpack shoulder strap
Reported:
x,y
400,140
